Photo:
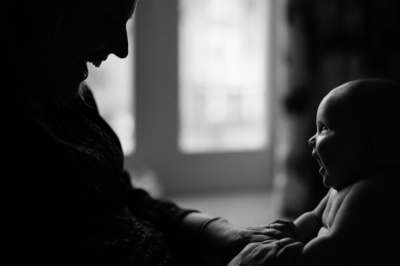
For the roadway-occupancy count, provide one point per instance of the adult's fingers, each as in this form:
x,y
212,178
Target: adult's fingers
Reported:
x,y
257,254
288,254
257,234
275,233
286,241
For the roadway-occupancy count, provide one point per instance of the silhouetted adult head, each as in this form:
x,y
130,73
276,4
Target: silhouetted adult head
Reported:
x,y
47,44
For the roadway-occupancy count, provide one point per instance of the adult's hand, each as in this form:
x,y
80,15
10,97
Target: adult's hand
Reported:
x,y
226,240
268,253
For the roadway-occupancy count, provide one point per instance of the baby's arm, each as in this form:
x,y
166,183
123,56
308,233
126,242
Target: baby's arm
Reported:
x,y
305,227
309,223
368,203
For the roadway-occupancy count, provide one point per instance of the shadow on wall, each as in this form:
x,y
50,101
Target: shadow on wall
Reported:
x,y
330,42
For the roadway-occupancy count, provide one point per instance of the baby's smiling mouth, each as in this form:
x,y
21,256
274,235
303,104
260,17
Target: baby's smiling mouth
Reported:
x,y
322,167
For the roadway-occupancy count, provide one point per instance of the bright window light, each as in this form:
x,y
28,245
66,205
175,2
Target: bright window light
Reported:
x,y
223,75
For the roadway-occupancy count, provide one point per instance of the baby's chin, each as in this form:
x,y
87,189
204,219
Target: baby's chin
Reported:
x,y
339,185
326,183
329,182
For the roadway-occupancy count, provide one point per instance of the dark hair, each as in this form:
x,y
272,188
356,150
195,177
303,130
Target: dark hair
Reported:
x,y
30,30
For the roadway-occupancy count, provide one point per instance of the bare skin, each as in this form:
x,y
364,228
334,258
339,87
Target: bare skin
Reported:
x,y
340,231
356,146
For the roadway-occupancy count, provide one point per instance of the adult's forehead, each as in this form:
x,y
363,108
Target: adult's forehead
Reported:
x,y
55,4
129,4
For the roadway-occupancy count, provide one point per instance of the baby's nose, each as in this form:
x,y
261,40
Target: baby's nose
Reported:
x,y
311,141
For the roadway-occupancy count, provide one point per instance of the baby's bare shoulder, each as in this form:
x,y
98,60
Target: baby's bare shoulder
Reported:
x,y
378,184
376,196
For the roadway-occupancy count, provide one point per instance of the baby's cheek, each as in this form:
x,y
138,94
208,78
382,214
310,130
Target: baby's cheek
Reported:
x,y
325,151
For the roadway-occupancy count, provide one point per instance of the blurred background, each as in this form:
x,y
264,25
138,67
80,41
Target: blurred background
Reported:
x,y
216,102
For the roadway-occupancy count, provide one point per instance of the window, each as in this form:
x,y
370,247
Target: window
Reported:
x,y
192,117
222,75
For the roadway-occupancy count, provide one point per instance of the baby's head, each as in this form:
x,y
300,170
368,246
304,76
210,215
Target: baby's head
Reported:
x,y
357,127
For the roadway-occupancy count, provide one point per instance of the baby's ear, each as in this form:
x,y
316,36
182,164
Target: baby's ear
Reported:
x,y
372,145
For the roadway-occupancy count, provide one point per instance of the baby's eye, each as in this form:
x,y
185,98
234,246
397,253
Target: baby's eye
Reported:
x,y
323,128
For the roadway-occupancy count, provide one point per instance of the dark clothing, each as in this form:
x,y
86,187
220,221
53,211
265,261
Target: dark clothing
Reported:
x,y
65,198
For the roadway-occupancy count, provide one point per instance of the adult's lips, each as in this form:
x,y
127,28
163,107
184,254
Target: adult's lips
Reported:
x,y
95,60
80,71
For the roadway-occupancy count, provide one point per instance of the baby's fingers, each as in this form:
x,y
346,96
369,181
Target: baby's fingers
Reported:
x,y
285,226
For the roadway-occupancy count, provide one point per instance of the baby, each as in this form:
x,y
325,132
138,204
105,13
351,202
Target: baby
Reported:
x,y
357,146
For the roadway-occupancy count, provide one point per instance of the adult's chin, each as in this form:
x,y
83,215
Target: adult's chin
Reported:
x,y
71,91
73,80
79,72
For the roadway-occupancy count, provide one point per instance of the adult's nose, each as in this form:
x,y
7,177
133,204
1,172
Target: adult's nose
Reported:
x,y
119,46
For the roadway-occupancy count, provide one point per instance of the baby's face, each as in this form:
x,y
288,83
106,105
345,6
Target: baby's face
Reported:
x,y
337,144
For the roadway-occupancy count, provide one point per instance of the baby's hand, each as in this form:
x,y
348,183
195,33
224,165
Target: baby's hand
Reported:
x,y
286,227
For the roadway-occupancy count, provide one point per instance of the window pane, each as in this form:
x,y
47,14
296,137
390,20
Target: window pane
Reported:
x,y
222,75
112,85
